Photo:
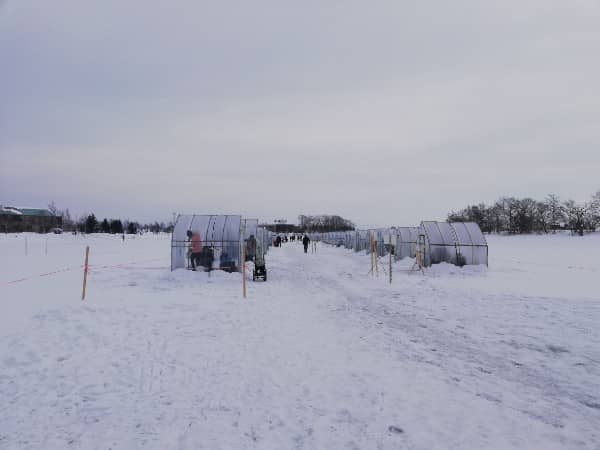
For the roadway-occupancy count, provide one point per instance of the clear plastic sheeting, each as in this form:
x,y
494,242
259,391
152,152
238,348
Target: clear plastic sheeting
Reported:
x,y
337,238
317,237
477,252
249,226
249,232
362,241
406,242
347,239
440,245
219,236
350,238
381,238
265,238
263,241
459,243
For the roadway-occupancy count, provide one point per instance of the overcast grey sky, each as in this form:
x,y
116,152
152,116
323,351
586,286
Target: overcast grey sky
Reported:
x,y
384,112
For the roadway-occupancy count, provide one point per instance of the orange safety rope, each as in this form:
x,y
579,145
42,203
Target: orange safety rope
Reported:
x,y
68,269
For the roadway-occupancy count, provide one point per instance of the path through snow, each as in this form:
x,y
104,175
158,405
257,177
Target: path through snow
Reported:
x,y
321,356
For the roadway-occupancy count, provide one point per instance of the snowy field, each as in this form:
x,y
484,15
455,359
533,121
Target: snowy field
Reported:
x,y
322,356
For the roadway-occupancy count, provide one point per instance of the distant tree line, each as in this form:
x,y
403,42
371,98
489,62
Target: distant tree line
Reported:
x,y
281,227
518,216
324,223
88,223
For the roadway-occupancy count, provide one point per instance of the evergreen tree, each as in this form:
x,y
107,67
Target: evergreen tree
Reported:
x,y
116,226
91,224
132,228
105,226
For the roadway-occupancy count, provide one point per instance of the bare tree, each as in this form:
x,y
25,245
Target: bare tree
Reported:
x,y
555,211
52,208
325,223
514,215
542,217
595,210
576,215
524,215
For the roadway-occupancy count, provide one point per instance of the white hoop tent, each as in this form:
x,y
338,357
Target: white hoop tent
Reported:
x,y
221,238
381,236
459,243
406,242
264,239
249,228
337,238
349,238
362,241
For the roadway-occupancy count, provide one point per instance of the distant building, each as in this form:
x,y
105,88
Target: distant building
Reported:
x,y
17,220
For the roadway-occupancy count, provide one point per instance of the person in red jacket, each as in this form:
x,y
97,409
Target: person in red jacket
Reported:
x,y
195,248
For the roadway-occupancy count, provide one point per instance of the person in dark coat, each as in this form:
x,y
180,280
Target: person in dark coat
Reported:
x,y
305,242
278,241
251,248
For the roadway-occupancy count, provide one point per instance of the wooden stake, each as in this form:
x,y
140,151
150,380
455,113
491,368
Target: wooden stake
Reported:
x,y
372,271
376,257
26,250
419,258
390,258
85,271
244,270
373,259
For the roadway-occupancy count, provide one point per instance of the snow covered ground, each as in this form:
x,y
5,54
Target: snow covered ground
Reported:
x,y
322,356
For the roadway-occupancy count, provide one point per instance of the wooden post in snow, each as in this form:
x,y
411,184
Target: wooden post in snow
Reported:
x,y
390,258
244,270
371,255
376,257
85,271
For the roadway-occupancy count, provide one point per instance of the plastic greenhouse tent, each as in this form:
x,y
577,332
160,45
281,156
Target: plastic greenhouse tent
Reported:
x,y
350,239
337,238
263,238
220,238
406,242
362,241
459,243
381,236
249,226
250,233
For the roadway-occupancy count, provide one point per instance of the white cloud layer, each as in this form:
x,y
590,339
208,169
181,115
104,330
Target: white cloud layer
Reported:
x,y
386,113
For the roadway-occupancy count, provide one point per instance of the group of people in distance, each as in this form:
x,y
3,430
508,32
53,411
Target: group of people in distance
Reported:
x,y
200,255
305,241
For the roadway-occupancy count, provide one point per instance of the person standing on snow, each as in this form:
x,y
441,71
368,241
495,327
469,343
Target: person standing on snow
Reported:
x,y
251,248
195,248
305,241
